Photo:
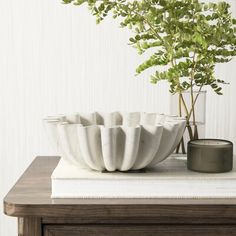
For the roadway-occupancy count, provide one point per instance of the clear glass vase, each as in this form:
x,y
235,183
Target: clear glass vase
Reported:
x,y
199,115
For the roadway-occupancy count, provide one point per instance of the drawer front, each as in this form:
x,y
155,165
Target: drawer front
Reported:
x,y
140,230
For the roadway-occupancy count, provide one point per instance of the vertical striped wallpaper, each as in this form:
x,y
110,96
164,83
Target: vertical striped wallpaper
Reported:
x,y
55,59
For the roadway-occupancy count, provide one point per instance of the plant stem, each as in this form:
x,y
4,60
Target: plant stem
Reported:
x,y
195,131
195,100
190,132
180,114
182,139
145,20
184,104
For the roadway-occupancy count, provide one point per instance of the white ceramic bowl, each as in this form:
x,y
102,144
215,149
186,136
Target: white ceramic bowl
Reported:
x,y
115,141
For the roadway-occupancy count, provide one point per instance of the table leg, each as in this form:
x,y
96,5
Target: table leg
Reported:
x,y
29,226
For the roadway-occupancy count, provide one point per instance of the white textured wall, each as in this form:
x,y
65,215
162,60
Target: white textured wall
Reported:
x,y
221,110
54,59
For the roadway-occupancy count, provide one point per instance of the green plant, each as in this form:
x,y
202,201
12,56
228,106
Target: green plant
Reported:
x,y
187,39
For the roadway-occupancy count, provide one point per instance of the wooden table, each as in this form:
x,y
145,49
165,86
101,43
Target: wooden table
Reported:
x,y
38,214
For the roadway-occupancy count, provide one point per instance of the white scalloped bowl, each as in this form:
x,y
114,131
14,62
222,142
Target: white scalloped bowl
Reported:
x,y
115,141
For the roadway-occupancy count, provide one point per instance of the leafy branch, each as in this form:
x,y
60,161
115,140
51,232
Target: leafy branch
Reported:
x,y
187,38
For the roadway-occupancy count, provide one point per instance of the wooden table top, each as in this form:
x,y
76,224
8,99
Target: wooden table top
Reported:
x,y
30,196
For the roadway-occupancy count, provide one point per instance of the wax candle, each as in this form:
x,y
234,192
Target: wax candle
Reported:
x,y
210,155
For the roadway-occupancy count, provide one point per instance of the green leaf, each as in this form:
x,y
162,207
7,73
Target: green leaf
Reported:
x,y
198,38
186,38
132,40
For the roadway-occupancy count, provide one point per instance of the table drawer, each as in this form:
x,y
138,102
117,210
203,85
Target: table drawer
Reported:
x,y
139,230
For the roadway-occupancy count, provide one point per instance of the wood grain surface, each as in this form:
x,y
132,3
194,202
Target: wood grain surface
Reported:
x,y
140,230
39,215
29,226
31,197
